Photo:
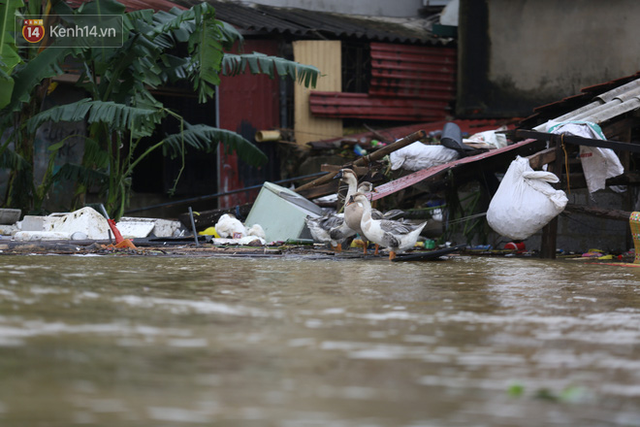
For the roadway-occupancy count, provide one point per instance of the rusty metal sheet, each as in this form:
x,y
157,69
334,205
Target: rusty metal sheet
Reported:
x,y
416,177
248,103
411,83
413,71
344,105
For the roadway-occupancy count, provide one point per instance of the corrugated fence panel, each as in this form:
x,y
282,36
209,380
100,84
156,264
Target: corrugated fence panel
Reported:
x,y
413,71
362,105
407,83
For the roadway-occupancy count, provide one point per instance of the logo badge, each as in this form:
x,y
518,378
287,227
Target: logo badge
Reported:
x,y
33,30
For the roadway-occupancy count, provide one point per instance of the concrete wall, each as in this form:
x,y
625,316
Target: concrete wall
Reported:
x,y
516,55
397,8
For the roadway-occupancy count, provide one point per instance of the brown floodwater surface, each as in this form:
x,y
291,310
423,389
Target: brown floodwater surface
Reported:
x,y
162,341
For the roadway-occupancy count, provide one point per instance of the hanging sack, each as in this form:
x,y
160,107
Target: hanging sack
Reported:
x,y
525,201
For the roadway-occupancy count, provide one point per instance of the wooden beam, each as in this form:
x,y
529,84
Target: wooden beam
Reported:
x,y
578,180
577,140
359,170
620,128
504,154
362,161
536,161
320,190
614,214
550,231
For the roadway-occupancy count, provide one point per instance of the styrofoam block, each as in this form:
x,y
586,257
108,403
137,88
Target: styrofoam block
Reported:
x,y
8,230
86,220
159,227
32,223
135,229
9,216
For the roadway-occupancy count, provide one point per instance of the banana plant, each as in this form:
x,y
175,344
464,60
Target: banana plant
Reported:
x,y
9,57
158,48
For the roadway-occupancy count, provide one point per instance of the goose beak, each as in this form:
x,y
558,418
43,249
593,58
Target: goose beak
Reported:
x,y
338,175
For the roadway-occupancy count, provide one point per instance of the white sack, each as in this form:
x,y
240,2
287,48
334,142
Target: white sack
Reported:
x,y
418,156
525,201
489,137
598,164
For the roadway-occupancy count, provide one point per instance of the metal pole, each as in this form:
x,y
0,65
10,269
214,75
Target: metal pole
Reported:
x,y
193,227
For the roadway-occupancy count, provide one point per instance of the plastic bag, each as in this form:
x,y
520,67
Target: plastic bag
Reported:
x,y
418,156
598,164
489,137
525,201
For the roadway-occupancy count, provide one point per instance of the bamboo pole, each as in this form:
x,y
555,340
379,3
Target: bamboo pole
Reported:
x,y
365,160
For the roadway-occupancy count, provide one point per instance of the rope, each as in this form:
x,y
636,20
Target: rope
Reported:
x,y
566,164
466,218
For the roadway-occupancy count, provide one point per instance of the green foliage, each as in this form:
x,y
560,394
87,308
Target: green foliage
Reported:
x,y
9,57
158,49
205,138
234,64
139,121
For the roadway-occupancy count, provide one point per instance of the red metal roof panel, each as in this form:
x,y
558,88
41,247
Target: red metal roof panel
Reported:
x,y
413,71
361,105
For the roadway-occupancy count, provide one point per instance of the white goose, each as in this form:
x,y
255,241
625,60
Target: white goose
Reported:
x,y
332,228
395,235
329,228
350,177
353,211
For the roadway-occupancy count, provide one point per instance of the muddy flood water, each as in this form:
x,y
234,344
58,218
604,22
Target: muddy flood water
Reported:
x,y
161,341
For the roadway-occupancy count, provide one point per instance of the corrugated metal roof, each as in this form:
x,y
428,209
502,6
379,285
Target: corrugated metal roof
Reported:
x,y
597,104
254,18
314,24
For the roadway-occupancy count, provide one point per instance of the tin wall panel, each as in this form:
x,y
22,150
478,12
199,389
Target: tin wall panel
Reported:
x,y
247,103
362,105
407,83
326,56
413,71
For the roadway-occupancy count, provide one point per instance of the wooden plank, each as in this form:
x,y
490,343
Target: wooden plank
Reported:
x,y
377,155
549,238
536,161
327,57
320,190
431,173
576,140
359,170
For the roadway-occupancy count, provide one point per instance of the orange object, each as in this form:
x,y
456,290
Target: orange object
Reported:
x,y
120,241
115,231
126,243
